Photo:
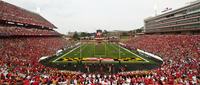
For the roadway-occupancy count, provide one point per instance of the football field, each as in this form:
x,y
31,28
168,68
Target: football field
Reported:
x,y
100,52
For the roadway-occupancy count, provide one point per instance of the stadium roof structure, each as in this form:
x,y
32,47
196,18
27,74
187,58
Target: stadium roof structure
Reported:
x,y
12,13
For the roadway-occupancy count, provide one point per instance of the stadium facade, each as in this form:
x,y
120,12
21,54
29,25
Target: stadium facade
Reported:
x,y
185,20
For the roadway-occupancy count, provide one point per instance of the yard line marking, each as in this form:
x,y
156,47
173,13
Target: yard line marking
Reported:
x,y
67,53
84,46
95,51
112,45
133,53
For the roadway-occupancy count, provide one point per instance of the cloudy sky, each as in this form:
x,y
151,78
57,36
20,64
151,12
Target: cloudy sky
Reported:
x,y
90,15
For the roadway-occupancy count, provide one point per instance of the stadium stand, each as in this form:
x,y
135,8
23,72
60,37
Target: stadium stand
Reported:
x,y
9,12
21,31
24,38
22,46
181,54
19,62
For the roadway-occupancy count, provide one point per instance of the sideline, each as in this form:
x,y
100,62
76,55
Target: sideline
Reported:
x,y
133,53
115,46
67,53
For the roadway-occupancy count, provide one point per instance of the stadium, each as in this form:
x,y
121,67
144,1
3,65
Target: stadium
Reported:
x,y
167,52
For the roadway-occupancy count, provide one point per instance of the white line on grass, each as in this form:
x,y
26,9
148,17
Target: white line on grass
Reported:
x,y
133,53
128,51
95,52
113,46
67,53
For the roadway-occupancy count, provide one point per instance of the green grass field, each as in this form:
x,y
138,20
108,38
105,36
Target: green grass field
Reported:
x,y
92,54
100,50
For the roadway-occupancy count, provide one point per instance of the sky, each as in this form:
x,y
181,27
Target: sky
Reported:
x,y
90,15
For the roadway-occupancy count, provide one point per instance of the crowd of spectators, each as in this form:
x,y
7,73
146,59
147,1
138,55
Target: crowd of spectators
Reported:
x,y
21,31
19,56
9,12
180,53
22,47
19,62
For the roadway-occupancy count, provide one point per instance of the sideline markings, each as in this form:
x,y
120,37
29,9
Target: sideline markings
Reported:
x,y
84,46
133,53
67,53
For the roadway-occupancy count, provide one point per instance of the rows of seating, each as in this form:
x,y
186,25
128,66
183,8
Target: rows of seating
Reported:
x,y
21,31
19,56
181,55
19,62
13,13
